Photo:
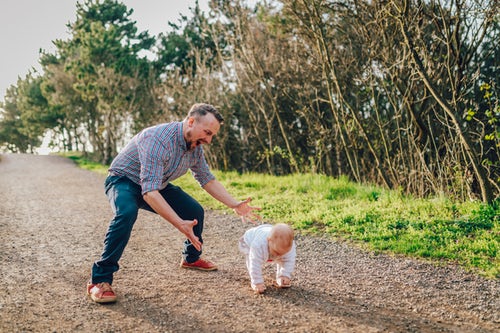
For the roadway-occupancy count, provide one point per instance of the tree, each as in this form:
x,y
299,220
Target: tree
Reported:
x,y
189,58
110,82
22,120
459,30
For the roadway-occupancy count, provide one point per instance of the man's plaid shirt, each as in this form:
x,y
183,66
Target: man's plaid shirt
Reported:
x,y
158,155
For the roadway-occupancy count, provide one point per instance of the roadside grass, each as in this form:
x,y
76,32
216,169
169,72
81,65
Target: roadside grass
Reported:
x,y
383,221
85,163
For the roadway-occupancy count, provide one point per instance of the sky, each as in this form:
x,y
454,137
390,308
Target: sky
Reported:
x,y
26,26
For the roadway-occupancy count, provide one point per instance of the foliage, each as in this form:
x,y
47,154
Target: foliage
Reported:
x,y
87,162
178,48
97,78
23,121
403,94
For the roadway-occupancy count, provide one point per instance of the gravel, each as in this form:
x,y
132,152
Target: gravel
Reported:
x,y
53,217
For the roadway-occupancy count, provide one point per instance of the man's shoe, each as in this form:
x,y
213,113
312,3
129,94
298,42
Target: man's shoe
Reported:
x,y
101,292
200,264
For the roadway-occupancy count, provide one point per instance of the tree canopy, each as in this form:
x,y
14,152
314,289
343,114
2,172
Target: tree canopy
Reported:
x,y
401,93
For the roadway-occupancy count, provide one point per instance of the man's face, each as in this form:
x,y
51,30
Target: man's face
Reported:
x,y
201,130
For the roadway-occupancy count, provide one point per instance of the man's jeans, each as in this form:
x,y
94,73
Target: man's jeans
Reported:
x,y
125,198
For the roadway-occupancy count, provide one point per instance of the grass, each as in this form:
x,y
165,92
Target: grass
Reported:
x,y
436,229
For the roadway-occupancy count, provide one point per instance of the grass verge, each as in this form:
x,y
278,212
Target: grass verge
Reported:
x,y
436,229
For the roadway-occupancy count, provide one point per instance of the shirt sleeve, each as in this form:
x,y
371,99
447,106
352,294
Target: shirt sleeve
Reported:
x,y
201,170
152,156
286,265
255,262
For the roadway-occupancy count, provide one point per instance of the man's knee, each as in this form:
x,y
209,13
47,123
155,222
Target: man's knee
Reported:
x,y
125,216
198,211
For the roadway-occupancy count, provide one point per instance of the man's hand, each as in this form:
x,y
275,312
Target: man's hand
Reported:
x,y
245,211
159,205
187,229
242,208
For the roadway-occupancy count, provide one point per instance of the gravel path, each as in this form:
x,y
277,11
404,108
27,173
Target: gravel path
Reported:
x,y
53,217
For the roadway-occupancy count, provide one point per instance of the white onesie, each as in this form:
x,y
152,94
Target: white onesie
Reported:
x,y
254,245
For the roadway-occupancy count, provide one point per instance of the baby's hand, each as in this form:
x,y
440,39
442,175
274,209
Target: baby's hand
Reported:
x,y
259,288
284,282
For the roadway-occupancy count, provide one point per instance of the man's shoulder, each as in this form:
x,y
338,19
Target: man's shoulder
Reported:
x,y
162,131
172,126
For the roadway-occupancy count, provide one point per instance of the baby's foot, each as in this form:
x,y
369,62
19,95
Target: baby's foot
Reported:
x,y
259,288
283,282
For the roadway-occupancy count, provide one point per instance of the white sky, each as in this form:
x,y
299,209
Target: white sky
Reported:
x,y
26,26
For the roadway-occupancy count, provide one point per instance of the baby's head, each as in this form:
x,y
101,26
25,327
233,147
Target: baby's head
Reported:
x,y
280,239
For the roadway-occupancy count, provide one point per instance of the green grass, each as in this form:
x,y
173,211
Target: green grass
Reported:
x,y
86,163
436,229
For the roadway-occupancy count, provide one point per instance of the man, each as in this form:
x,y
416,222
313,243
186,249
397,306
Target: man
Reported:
x,y
140,177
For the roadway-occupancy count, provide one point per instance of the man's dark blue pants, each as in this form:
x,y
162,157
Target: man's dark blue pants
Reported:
x,y
126,199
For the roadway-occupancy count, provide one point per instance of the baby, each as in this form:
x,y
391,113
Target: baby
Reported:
x,y
268,243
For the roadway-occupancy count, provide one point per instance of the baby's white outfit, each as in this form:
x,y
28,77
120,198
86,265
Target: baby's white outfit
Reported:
x,y
254,245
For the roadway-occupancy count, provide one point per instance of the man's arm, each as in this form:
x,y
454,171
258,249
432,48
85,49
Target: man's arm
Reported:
x,y
158,203
242,208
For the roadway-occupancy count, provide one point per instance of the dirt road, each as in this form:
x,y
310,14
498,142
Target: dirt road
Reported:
x,y
53,217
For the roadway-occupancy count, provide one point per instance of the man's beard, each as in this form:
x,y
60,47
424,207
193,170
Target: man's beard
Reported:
x,y
190,146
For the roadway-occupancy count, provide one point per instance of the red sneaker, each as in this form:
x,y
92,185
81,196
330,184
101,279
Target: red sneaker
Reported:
x,y
101,292
200,264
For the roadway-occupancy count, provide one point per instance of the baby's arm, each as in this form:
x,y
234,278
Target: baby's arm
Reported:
x,y
255,261
285,267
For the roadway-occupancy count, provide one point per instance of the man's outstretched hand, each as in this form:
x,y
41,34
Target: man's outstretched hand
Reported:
x,y
246,212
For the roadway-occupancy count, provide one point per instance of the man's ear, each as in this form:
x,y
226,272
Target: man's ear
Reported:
x,y
190,121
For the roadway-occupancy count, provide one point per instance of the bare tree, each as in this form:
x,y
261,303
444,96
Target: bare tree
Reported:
x,y
448,78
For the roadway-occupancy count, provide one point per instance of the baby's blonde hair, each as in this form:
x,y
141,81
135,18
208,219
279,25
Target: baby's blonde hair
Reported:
x,y
281,236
